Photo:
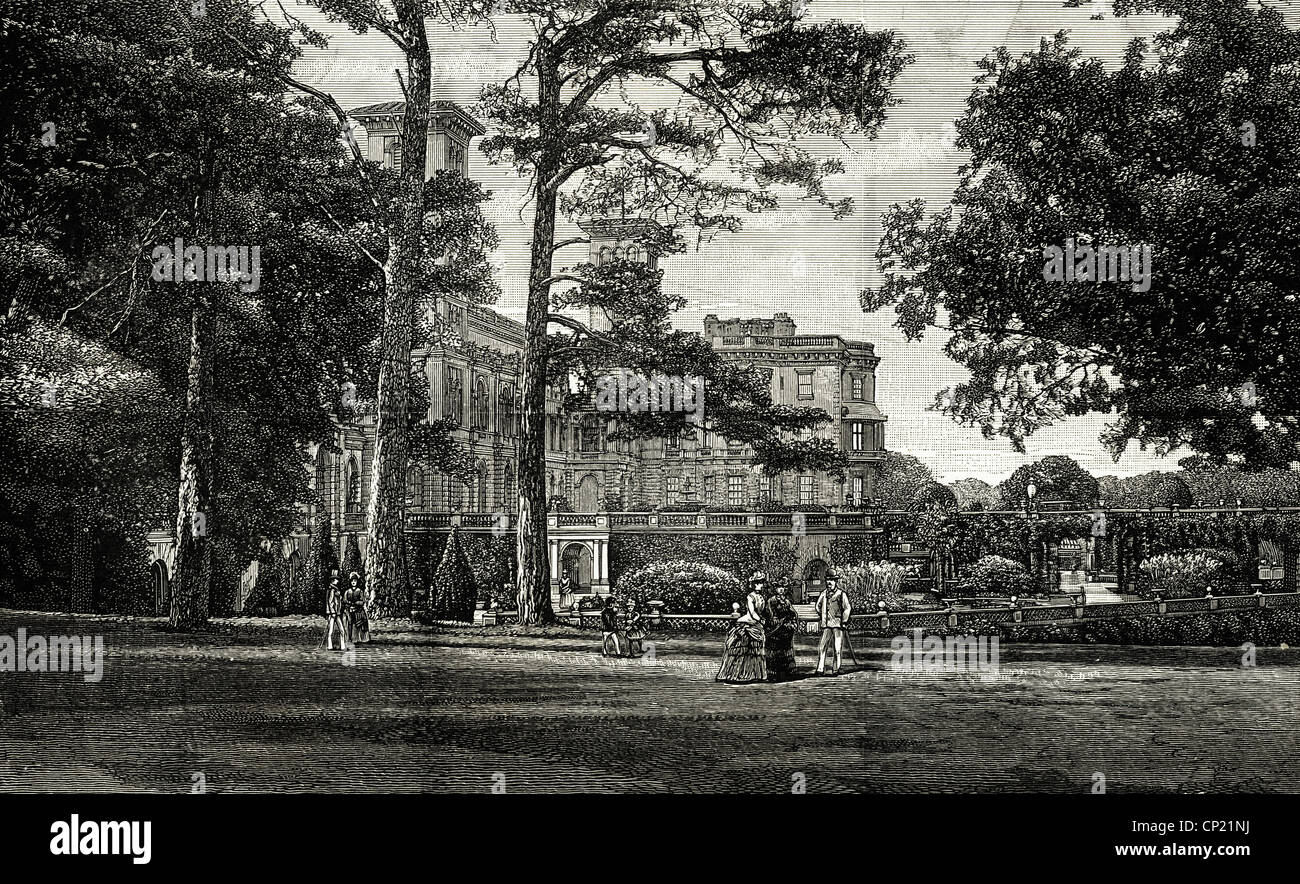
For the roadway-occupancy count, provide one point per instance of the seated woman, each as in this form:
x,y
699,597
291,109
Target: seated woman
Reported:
x,y
744,652
635,629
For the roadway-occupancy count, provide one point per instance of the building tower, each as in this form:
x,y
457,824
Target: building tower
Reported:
x,y
450,130
614,238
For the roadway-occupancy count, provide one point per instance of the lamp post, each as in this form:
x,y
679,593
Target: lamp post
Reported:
x,y
1031,490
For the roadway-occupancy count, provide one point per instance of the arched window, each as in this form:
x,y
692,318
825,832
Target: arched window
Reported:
x,y
415,488
606,255
633,253
479,412
482,487
354,485
506,411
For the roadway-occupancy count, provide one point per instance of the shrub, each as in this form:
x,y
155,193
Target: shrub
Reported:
x,y
1180,575
869,583
267,597
683,587
453,592
994,575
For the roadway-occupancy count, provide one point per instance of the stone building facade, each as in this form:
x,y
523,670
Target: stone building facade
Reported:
x,y
473,378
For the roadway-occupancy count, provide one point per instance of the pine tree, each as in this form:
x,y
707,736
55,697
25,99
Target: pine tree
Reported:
x,y
453,592
322,562
352,561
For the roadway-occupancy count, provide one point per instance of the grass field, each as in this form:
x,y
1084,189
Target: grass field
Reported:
x,y
262,706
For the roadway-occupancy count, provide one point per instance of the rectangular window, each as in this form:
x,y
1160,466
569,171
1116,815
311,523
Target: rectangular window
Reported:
x,y
805,385
859,491
858,436
858,385
807,490
736,490
674,490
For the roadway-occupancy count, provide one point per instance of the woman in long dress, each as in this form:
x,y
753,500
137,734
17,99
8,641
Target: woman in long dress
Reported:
x,y
744,653
354,601
782,624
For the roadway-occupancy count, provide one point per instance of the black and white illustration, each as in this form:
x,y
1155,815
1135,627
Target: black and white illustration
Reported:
x,y
649,396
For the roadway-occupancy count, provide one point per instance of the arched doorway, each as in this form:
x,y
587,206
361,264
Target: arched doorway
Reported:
x,y
162,590
588,494
814,581
576,562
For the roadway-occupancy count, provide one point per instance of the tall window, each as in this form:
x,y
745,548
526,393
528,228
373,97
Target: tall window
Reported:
x,y
807,490
453,395
589,437
455,157
506,411
857,436
455,493
415,488
858,386
859,490
736,490
481,415
674,492
805,385
510,501
354,485
392,152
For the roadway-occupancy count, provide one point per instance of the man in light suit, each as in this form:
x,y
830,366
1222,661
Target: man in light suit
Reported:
x,y
833,611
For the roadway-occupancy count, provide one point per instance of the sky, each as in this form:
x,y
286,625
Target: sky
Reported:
x,y
797,259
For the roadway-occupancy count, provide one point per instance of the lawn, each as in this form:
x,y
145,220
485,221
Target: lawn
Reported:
x,y
261,706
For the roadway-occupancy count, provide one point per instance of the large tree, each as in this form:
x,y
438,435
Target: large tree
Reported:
x,y
1055,478
1190,147
635,106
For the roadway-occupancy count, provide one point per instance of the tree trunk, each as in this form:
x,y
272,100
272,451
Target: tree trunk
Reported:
x,y
192,572
386,575
534,596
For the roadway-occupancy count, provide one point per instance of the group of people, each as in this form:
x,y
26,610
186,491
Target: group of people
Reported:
x,y
623,633
346,614
760,644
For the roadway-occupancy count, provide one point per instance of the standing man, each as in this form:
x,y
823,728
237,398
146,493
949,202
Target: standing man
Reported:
x,y
609,625
334,616
833,610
